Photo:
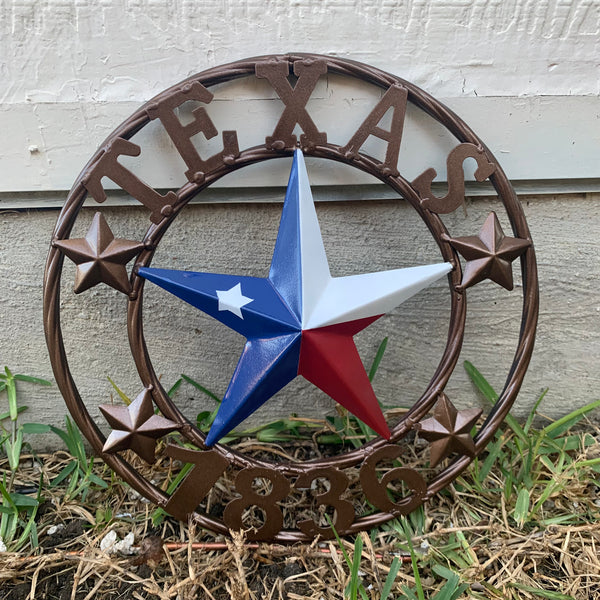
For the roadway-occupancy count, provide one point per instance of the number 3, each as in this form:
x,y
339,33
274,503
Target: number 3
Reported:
x,y
344,511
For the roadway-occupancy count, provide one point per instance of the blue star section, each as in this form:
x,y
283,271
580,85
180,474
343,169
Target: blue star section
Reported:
x,y
265,367
266,315
286,264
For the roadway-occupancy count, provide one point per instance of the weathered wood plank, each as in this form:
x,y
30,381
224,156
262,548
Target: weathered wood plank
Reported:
x,y
359,237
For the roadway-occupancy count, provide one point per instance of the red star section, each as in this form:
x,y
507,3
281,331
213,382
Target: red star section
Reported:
x,y
329,359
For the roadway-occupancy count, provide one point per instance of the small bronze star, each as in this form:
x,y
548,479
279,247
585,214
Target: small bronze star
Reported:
x,y
136,427
100,258
449,430
490,254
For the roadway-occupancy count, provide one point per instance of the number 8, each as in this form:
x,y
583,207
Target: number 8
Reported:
x,y
233,514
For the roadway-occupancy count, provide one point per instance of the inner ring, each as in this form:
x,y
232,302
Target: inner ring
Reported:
x,y
419,409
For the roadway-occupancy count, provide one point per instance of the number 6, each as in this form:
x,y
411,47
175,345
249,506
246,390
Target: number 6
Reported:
x,y
376,490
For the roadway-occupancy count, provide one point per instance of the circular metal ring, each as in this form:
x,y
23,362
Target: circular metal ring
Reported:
x,y
326,151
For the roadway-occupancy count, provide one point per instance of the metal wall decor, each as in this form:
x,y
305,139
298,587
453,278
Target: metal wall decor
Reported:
x,y
298,320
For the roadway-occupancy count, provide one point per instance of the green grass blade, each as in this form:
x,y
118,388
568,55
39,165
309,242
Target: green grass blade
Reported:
x,y
445,573
522,506
11,391
62,435
533,411
96,480
413,559
77,442
452,588
488,392
8,499
6,415
481,383
354,580
494,453
565,423
175,387
408,593
23,501
378,356
201,388
36,428
13,451
349,562
120,392
339,541
64,473
551,487
39,381
557,520
391,577
566,444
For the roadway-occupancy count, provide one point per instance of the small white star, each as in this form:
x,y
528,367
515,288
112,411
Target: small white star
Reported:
x,y
233,300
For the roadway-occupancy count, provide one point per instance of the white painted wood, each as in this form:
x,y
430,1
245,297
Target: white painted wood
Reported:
x,y
557,138
324,193
101,51
523,74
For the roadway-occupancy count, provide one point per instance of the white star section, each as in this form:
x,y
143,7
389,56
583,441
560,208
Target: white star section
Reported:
x,y
233,300
328,300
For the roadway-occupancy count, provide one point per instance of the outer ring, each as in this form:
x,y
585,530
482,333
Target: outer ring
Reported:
x,y
373,76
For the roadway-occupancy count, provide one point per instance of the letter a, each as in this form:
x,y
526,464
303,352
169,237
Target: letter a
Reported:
x,y
395,98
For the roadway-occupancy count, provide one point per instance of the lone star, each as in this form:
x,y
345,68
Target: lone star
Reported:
x,y
135,427
490,254
233,300
449,430
100,258
301,320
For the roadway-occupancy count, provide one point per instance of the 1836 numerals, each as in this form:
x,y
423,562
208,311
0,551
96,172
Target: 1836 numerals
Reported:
x,y
209,466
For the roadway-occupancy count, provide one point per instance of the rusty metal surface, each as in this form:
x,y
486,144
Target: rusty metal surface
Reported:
x,y
489,255
499,250
456,179
100,258
449,430
136,427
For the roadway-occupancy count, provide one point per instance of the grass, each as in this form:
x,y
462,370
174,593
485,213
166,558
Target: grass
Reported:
x,y
521,522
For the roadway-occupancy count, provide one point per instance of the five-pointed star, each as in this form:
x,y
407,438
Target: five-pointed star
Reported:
x,y
490,254
233,300
100,257
449,430
301,320
136,427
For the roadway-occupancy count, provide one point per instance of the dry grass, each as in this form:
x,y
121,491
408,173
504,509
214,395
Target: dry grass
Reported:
x,y
480,528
